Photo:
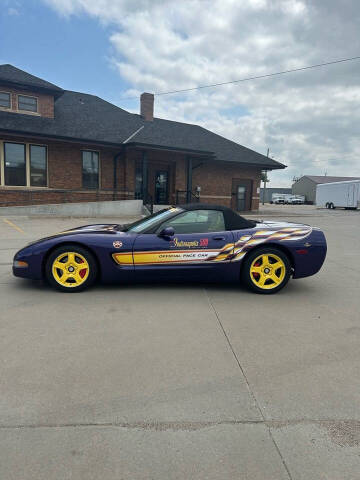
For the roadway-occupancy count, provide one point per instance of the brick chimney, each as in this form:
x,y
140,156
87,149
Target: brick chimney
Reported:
x,y
147,106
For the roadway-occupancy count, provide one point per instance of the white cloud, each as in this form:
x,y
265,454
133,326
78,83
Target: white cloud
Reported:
x,y
13,11
309,120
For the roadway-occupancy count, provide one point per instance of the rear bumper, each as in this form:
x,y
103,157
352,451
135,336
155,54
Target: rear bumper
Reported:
x,y
310,263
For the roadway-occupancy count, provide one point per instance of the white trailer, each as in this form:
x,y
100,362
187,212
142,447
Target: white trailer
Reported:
x,y
338,194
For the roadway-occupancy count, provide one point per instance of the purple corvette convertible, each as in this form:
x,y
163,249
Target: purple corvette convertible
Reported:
x,y
195,242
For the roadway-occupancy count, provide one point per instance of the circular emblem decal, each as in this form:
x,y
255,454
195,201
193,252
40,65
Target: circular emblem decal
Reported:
x,y
117,244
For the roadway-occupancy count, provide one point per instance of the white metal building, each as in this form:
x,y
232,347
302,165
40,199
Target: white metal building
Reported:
x,y
307,184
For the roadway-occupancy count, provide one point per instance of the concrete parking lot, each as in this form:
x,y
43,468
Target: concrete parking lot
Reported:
x,y
182,381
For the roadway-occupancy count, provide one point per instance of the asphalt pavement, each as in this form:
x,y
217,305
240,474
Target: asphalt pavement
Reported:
x,y
182,381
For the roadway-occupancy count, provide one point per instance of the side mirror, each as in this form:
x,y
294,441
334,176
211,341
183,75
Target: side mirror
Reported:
x,y
167,232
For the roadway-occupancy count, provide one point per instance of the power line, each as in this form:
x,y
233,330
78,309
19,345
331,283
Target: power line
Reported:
x,y
252,78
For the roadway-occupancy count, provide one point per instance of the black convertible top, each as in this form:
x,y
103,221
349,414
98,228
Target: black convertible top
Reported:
x,y
233,221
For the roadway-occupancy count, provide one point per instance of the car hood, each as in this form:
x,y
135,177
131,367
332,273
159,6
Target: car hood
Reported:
x,y
98,228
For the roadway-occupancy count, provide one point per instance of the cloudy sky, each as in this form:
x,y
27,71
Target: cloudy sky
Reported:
x,y
119,48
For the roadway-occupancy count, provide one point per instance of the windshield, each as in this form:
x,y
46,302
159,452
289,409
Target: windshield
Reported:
x,y
145,223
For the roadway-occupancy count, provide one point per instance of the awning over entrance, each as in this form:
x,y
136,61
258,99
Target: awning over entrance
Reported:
x,y
160,191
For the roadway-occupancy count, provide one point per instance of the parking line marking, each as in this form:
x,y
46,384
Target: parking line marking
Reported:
x,y
9,222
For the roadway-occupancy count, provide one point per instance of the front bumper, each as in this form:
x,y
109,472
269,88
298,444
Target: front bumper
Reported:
x,y
24,257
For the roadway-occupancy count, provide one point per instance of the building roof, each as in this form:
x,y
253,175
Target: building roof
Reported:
x,y
14,76
194,137
88,118
328,179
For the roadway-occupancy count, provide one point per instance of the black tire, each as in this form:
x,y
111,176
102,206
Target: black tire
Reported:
x,y
327,205
246,274
332,206
78,251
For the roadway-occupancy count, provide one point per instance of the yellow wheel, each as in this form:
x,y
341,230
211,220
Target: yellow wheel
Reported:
x,y
266,270
71,268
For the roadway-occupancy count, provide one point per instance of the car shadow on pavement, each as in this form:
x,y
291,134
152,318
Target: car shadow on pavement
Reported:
x,y
300,287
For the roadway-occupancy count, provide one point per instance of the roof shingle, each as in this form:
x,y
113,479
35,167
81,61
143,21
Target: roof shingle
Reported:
x,y
11,74
87,117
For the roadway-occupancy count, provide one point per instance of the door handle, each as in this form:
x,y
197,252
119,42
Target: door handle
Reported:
x,y
218,238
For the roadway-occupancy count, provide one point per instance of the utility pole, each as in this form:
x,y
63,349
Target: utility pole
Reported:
x,y
265,179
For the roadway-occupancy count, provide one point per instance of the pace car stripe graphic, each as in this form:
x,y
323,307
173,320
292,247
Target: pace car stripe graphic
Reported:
x,y
229,252
165,256
244,244
123,258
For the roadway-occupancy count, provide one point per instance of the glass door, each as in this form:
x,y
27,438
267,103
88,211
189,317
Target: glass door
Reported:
x,y
138,184
241,198
161,187
241,194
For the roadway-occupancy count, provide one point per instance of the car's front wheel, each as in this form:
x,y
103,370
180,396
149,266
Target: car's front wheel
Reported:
x,y
71,268
266,270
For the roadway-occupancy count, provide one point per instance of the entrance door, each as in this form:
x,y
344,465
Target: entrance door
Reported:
x,y
138,184
161,187
241,195
241,198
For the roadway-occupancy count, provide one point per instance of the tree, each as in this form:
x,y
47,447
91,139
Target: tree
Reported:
x,y
264,176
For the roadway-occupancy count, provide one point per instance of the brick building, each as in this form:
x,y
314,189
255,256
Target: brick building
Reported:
x,y
62,146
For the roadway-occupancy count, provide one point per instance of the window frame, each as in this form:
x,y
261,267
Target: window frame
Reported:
x,y
28,178
26,110
182,214
98,187
27,165
9,107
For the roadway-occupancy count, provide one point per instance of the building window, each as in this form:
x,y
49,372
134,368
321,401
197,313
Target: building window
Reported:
x,y
23,165
27,103
90,169
38,166
5,100
15,164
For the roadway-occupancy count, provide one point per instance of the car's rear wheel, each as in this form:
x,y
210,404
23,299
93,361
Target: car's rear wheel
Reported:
x,y
267,270
71,268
